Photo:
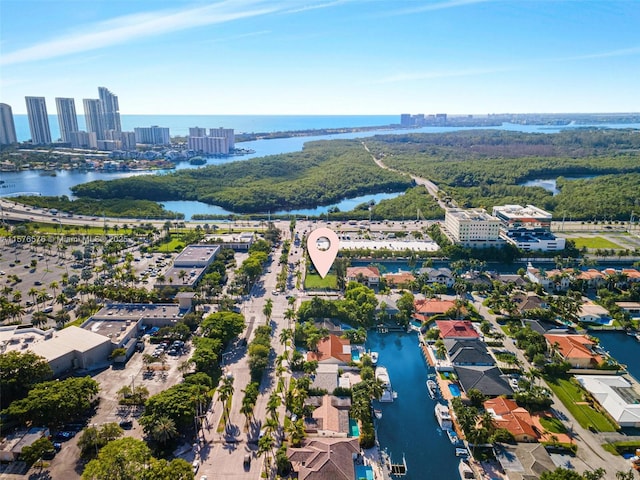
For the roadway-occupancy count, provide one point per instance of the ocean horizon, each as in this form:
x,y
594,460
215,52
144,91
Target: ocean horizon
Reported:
x,y
179,124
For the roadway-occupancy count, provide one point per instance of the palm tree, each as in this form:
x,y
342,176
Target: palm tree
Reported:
x,y
247,410
53,286
39,318
225,392
265,447
268,309
272,404
164,429
33,293
286,335
296,432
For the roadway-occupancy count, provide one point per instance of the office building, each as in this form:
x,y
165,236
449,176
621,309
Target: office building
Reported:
x,y
153,135
67,118
528,228
38,120
7,126
110,109
472,228
94,117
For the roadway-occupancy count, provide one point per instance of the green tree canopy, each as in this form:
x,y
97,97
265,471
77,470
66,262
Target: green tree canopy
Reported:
x,y
19,371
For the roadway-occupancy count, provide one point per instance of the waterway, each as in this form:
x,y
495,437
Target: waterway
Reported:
x,y
550,184
624,348
408,425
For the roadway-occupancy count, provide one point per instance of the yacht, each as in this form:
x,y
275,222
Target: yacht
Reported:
x,y
465,470
432,386
462,452
383,376
378,413
443,416
374,358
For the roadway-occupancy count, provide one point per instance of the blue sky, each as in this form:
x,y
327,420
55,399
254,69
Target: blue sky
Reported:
x,y
325,57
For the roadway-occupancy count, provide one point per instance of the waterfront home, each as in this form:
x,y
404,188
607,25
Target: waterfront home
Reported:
x,y
590,312
508,415
400,280
578,350
442,275
592,278
616,395
488,379
632,275
326,377
424,309
330,418
468,352
632,308
369,275
551,280
524,461
332,349
324,458
456,329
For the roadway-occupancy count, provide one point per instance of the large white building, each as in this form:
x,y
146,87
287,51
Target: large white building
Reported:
x,y
38,120
528,228
67,118
94,117
616,395
219,141
7,125
110,109
153,135
472,228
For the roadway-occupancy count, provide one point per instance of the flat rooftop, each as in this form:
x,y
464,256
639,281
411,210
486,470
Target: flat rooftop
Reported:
x,y
397,245
476,215
121,312
518,211
191,277
197,255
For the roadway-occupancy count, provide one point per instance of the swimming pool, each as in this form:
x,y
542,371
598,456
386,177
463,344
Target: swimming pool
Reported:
x,y
355,355
454,389
364,471
354,431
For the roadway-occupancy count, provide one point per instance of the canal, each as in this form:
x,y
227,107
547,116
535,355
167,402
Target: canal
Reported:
x,y
408,426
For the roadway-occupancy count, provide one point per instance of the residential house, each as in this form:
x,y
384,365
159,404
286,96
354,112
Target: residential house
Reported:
x,y
427,308
330,418
592,278
332,349
325,458
592,313
524,461
632,275
526,301
632,308
400,279
468,352
368,275
616,395
488,379
576,349
552,280
508,415
456,329
443,276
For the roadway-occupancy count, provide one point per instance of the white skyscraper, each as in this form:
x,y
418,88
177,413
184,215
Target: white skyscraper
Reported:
x,y
110,109
94,117
67,118
38,120
7,126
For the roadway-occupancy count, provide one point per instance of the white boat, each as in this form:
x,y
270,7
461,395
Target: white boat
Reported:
x,y
378,414
465,470
462,452
433,388
383,376
443,416
453,437
374,358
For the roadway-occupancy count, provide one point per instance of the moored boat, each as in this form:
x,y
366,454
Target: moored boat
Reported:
x,y
462,452
374,358
383,376
433,388
465,470
443,416
378,414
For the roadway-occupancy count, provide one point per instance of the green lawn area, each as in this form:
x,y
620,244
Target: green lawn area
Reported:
x,y
571,395
595,242
175,244
553,425
313,282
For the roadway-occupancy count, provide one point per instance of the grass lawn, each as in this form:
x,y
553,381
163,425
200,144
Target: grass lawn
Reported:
x,y
553,425
175,244
571,395
595,242
314,282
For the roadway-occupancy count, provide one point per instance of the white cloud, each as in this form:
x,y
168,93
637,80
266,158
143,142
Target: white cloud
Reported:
x,y
126,28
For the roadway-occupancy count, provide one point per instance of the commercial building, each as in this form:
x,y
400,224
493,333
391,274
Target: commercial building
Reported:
x,y
94,117
7,125
528,228
472,228
12,445
218,141
189,266
38,120
110,109
153,135
67,118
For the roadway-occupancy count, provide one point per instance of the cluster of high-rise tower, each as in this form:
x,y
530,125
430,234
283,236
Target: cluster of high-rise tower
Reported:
x,y
102,118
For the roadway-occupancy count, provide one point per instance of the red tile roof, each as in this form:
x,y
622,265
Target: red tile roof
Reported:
x,y
508,415
399,278
573,346
456,329
331,347
433,306
368,272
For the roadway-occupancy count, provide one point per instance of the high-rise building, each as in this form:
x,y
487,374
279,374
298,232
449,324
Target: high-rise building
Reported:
x,y
197,132
38,120
7,126
153,135
94,117
472,228
110,109
67,118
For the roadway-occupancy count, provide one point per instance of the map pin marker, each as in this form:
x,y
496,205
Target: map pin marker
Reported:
x,y
322,245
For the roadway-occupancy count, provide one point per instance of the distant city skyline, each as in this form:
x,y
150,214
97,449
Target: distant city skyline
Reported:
x,y
349,57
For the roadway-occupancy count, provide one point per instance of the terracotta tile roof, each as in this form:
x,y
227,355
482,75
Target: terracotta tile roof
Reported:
x,y
332,347
632,274
508,415
573,346
325,459
433,306
370,271
591,274
399,278
456,329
